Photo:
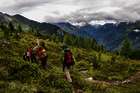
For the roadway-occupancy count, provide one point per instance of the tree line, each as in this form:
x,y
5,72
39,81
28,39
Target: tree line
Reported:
x,y
128,51
11,30
78,41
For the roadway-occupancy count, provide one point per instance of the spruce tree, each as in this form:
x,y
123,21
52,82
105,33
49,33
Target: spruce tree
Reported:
x,y
126,48
20,28
5,29
11,28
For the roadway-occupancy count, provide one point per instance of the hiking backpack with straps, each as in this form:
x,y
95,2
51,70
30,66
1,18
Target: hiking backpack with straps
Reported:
x,y
69,58
41,52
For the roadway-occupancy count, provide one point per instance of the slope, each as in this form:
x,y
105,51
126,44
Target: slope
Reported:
x,y
17,75
28,25
114,33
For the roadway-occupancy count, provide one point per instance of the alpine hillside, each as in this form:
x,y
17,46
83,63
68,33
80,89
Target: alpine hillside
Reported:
x,y
28,24
110,35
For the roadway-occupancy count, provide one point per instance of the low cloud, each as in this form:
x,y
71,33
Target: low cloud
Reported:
x,y
74,10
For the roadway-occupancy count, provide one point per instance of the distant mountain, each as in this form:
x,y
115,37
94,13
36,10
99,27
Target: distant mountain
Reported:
x,y
5,18
44,28
67,27
71,29
110,35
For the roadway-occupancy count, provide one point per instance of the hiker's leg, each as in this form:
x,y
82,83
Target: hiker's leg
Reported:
x,y
67,73
24,57
28,59
44,62
33,59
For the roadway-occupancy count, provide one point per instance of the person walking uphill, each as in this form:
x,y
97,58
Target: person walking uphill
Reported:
x,y
68,62
41,54
28,54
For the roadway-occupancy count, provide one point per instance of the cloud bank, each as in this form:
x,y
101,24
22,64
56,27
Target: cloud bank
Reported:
x,y
75,11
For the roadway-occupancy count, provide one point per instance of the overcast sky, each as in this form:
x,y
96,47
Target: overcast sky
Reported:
x,y
73,10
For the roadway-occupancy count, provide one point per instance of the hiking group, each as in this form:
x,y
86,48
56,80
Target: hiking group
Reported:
x,y
37,53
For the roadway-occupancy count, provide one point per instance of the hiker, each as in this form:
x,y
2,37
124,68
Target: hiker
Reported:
x,y
28,54
34,53
41,54
68,62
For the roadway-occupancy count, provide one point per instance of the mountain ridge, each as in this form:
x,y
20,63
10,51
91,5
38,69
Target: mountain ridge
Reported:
x,y
44,28
110,35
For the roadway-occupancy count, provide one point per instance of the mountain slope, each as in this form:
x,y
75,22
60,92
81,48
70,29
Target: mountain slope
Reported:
x,y
43,27
110,35
19,76
67,27
27,24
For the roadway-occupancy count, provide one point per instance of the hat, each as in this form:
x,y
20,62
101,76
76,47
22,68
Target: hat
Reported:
x,y
66,49
65,46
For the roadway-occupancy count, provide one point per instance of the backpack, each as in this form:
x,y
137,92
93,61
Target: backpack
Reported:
x,y
41,52
29,52
68,58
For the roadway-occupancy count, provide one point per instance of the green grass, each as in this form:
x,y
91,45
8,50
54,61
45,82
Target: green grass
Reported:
x,y
19,76
1,34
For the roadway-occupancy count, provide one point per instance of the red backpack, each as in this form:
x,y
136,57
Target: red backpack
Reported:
x,y
68,58
41,52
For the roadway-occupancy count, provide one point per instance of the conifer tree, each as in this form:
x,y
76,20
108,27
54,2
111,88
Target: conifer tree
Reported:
x,y
4,28
126,47
20,28
11,28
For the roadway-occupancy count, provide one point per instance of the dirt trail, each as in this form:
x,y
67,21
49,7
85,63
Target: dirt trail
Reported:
x,y
131,79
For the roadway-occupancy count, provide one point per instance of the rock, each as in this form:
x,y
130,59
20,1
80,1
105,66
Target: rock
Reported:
x,y
89,79
79,91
